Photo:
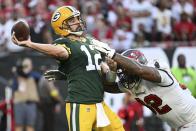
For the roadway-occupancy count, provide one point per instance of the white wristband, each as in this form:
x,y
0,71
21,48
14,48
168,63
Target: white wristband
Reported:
x,y
111,76
111,53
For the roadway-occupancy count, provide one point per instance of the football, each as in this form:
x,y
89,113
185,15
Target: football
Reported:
x,y
21,29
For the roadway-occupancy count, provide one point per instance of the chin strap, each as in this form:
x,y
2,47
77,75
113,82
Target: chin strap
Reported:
x,y
78,33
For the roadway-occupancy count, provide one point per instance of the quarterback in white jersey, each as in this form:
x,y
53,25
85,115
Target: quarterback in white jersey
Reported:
x,y
153,85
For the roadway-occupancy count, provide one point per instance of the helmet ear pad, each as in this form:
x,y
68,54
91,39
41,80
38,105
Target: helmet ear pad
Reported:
x,y
64,26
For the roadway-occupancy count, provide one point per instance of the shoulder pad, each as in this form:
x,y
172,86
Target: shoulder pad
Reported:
x,y
61,40
64,42
159,65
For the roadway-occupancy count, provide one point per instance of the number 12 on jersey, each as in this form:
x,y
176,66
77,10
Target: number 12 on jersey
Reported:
x,y
154,103
90,65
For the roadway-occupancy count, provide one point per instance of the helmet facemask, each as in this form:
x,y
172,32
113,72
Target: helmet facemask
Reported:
x,y
68,27
128,81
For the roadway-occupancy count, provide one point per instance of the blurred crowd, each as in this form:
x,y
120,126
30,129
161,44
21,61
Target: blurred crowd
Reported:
x,y
123,24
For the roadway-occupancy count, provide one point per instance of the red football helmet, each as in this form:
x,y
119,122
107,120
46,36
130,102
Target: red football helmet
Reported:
x,y
130,81
136,55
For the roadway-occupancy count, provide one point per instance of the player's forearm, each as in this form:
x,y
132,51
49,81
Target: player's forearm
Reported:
x,y
130,66
49,49
133,67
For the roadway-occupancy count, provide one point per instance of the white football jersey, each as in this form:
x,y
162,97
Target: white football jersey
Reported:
x,y
167,99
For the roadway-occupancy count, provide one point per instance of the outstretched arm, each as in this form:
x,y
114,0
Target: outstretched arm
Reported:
x,y
130,65
58,52
133,67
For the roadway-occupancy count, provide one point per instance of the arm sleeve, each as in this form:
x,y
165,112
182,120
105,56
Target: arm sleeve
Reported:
x,y
166,78
63,45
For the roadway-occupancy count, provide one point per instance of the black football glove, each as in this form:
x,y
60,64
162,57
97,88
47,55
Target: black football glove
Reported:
x,y
54,75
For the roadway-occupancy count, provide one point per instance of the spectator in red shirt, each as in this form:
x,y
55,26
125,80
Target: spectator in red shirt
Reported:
x,y
131,114
124,17
184,29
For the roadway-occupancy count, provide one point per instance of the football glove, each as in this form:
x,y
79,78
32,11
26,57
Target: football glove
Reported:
x,y
103,48
54,75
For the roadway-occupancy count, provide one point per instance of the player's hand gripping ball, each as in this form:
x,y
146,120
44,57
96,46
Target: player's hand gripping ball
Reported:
x,y
22,31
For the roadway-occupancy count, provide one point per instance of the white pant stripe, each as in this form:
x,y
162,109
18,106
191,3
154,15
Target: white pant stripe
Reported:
x,y
74,117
